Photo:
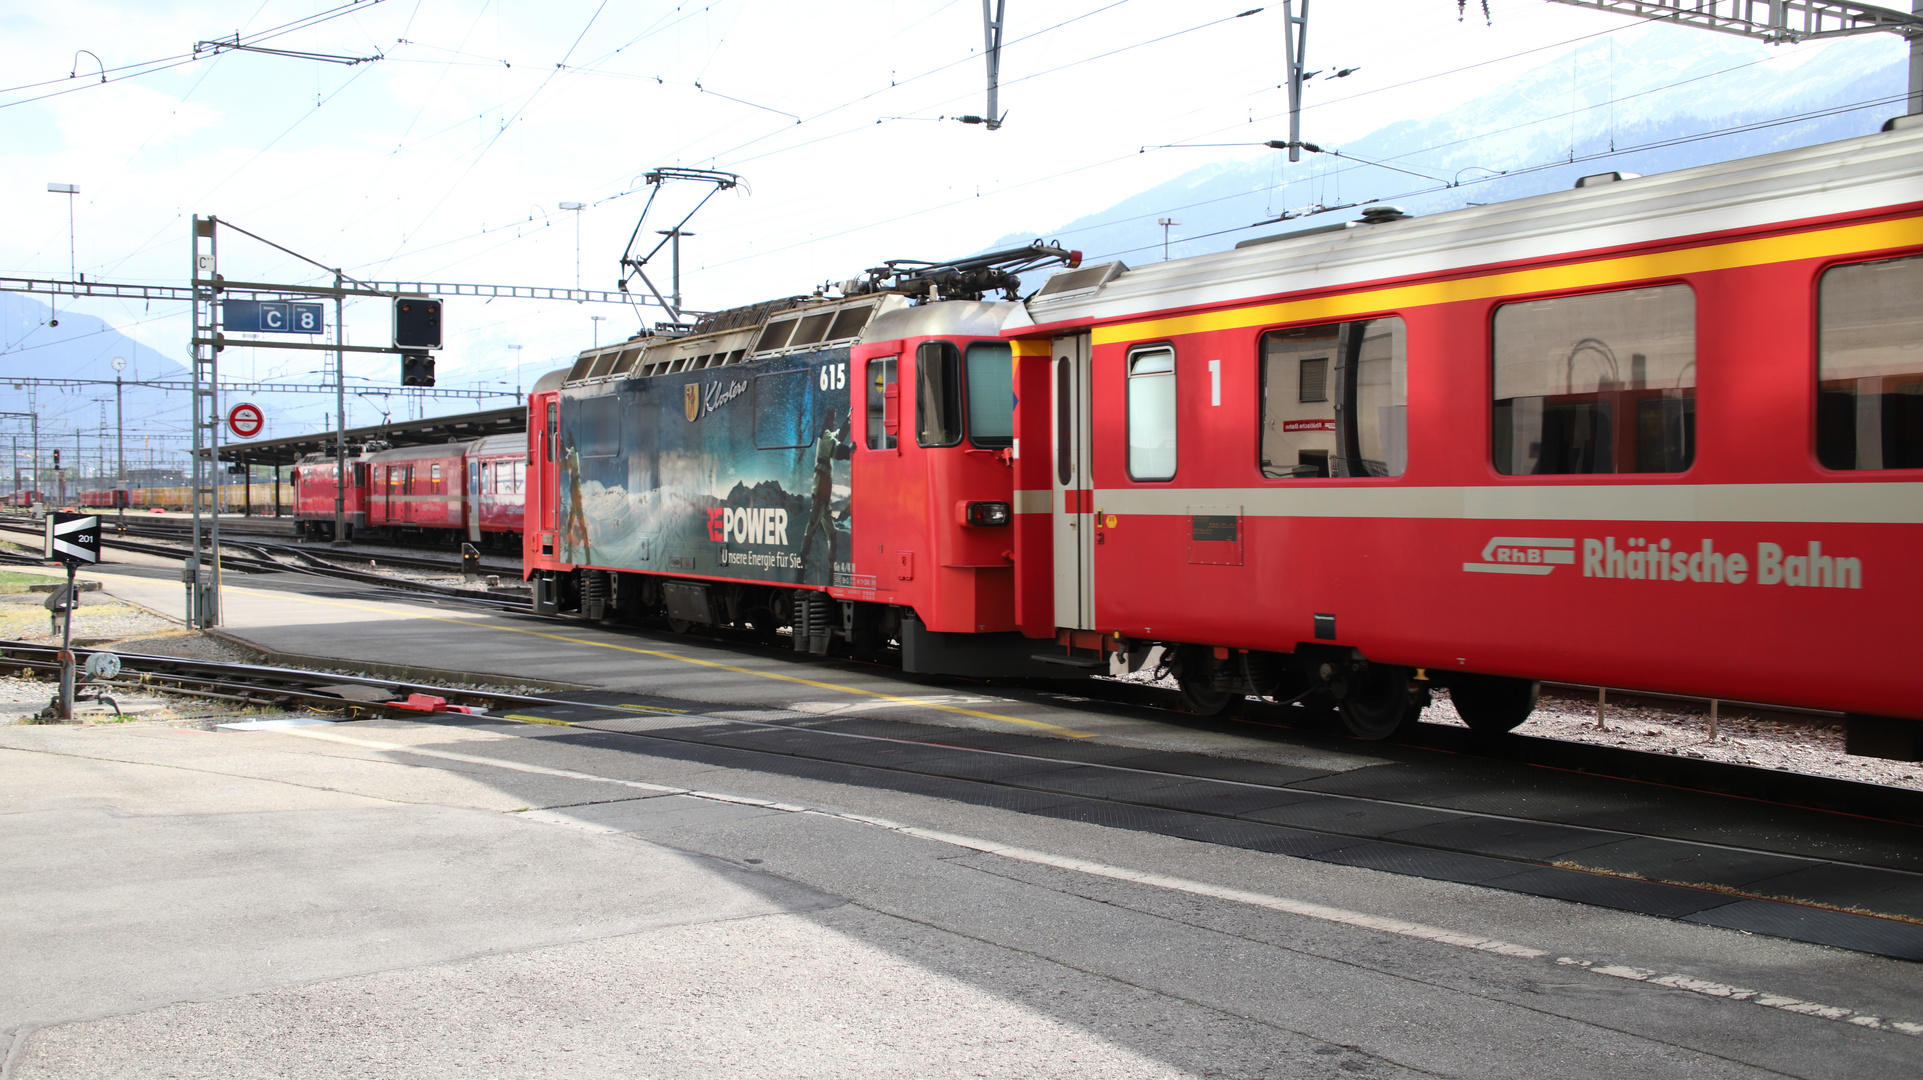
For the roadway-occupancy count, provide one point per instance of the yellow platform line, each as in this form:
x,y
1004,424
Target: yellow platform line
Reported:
x,y
900,699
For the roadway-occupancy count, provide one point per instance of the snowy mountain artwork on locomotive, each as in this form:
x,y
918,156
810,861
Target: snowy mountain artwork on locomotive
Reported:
x,y
741,472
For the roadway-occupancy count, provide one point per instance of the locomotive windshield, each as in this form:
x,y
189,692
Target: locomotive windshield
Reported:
x,y
991,394
949,383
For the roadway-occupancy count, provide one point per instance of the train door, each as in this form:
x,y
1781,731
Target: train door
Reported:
x,y
379,511
553,469
1073,500
473,501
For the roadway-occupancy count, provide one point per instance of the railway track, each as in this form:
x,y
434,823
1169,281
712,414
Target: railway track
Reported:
x,y
287,558
1576,757
278,542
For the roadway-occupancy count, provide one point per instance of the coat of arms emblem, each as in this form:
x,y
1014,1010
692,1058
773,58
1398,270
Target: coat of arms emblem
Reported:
x,y
691,400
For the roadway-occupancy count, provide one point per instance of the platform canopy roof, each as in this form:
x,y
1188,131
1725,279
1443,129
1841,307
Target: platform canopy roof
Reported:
x,y
433,429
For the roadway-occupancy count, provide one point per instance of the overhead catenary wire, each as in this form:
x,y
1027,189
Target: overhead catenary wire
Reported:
x,y
149,67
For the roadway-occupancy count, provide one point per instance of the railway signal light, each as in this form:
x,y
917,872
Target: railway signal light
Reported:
x,y
417,369
417,323
56,459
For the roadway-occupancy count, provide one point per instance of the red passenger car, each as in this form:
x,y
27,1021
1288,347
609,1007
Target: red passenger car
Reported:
x,y
1660,433
418,491
443,493
497,476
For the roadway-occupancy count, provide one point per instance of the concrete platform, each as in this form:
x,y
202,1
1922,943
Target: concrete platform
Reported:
x,y
447,899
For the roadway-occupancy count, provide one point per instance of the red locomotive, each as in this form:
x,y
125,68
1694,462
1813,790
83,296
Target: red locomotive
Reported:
x,y
1663,433
446,492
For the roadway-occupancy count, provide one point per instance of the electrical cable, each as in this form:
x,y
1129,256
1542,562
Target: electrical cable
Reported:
x,y
149,67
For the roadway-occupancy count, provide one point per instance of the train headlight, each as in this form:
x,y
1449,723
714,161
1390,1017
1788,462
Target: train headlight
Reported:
x,y
986,513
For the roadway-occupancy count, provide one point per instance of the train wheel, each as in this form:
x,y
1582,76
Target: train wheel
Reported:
x,y
680,626
1492,704
762,623
1193,675
1382,701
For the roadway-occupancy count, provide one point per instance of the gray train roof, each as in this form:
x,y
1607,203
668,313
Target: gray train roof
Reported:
x,y
804,327
1832,178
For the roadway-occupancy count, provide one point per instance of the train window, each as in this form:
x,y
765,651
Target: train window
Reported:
x,y
1064,414
360,474
991,393
554,423
597,426
1869,366
782,404
520,478
938,393
1598,383
881,376
1151,413
1335,400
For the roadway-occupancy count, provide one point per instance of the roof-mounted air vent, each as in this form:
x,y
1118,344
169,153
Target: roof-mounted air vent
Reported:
x,y
1072,283
1382,213
1601,178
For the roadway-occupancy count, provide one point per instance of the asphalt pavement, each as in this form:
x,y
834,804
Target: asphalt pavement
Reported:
x,y
483,898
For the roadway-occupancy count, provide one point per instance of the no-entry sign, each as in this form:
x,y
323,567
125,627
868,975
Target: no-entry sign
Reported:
x,y
245,420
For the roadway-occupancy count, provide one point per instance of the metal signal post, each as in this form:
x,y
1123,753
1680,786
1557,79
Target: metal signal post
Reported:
x,y
203,594
73,539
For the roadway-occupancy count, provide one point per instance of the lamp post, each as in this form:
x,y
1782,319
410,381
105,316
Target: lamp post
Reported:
x,y
69,190
35,419
577,208
517,370
598,320
120,426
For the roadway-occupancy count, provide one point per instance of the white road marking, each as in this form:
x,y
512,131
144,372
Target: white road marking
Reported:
x,y
1304,908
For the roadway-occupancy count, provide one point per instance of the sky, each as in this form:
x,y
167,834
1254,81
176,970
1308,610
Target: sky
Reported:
x,y
445,151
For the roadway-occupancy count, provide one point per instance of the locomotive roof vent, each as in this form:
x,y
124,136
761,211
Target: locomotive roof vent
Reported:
x,y
1340,226
1072,283
1382,213
1601,178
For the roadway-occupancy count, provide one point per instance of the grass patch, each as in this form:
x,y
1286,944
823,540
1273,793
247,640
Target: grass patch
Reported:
x,y
14,582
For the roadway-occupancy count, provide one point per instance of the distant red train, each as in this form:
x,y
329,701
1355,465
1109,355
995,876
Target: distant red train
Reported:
x,y
442,493
106,498
1661,433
